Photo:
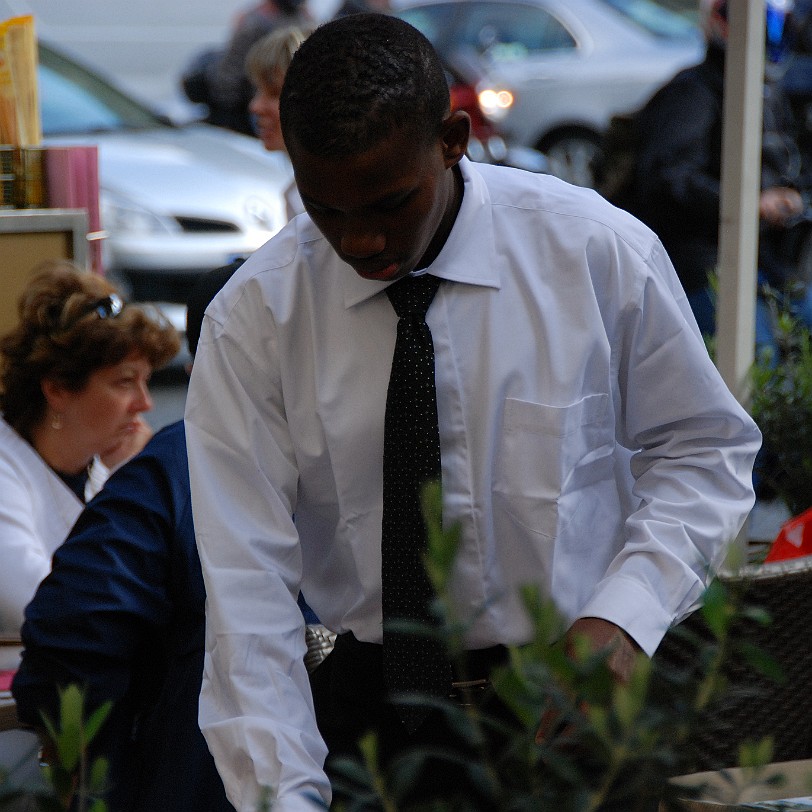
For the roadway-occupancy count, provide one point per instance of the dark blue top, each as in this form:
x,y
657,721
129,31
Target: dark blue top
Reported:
x,y
122,613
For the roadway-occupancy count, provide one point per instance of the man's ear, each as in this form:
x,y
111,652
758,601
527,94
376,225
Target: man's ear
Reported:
x,y
455,132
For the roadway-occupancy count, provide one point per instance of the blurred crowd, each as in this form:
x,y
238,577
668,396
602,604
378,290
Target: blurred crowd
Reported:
x,y
673,181
220,77
675,184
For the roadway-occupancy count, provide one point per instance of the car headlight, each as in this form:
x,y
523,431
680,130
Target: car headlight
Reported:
x,y
495,102
121,215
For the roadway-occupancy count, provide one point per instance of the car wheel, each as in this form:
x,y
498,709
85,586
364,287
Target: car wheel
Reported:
x,y
572,156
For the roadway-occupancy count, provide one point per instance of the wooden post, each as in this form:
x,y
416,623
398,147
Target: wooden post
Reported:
x,y
741,182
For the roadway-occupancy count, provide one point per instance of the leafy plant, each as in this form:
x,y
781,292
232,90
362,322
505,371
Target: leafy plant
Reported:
x,y
616,749
618,745
71,772
72,781
782,408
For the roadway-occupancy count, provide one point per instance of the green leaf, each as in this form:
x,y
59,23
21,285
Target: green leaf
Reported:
x,y
753,754
442,543
96,720
49,726
715,609
628,700
762,662
71,707
98,775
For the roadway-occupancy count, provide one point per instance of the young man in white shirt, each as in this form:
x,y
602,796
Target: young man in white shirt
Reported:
x,y
588,445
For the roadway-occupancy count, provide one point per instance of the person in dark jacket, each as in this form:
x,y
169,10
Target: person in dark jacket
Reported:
x,y
678,176
122,614
229,89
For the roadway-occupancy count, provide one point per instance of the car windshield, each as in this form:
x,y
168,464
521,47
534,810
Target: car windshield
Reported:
x,y
74,101
503,31
654,18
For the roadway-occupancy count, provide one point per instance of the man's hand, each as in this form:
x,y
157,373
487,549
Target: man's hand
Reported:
x,y
603,635
777,204
600,635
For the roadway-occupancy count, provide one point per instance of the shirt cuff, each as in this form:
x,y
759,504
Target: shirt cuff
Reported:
x,y
626,603
299,803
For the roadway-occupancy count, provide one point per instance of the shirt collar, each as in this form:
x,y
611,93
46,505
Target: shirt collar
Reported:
x,y
469,253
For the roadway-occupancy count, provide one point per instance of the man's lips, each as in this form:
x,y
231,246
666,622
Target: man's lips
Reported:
x,y
380,273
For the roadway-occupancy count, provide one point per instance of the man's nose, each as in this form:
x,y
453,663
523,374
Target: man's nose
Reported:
x,y
361,244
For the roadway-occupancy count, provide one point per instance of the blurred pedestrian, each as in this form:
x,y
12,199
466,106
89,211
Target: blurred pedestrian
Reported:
x,y
229,87
74,377
266,64
679,164
122,615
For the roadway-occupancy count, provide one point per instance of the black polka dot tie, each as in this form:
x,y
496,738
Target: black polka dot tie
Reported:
x,y
413,663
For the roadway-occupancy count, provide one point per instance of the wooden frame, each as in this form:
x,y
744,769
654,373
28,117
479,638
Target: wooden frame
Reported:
x,y
29,237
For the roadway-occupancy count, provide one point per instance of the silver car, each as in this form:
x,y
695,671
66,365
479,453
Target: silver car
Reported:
x,y
558,70
175,200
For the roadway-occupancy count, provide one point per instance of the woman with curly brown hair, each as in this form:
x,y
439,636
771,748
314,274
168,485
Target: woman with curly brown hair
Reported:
x,y
73,386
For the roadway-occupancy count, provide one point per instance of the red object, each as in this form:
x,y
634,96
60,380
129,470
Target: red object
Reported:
x,y
5,679
464,97
794,540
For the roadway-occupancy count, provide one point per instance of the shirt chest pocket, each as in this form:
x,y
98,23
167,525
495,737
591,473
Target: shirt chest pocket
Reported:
x,y
549,451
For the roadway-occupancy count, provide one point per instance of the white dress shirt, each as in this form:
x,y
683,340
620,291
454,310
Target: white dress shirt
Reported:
x,y
589,447
37,510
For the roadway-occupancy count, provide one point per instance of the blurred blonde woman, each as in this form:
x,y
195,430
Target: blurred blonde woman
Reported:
x,y
266,64
73,387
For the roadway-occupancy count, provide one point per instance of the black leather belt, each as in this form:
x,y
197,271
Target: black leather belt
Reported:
x,y
471,685
470,693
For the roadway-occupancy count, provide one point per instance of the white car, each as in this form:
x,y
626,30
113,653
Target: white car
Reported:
x,y
175,200
558,70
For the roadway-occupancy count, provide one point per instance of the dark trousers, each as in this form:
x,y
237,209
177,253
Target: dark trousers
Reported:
x,y
350,701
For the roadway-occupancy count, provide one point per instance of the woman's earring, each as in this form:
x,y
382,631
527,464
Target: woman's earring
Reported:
x,y
56,421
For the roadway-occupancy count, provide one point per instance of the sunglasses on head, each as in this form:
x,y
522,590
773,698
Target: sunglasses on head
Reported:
x,y
108,307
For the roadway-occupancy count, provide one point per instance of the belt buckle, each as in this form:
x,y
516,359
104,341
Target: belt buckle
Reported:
x,y
470,693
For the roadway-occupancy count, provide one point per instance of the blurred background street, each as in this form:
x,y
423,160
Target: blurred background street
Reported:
x,y
142,46
168,388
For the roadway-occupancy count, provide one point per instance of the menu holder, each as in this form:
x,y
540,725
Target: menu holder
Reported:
x,y
72,182
22,177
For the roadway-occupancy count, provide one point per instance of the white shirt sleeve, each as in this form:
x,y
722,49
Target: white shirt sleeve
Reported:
x,y
256,710
692,470
24,558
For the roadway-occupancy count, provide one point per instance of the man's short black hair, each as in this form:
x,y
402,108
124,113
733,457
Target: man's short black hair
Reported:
x,y
356,80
